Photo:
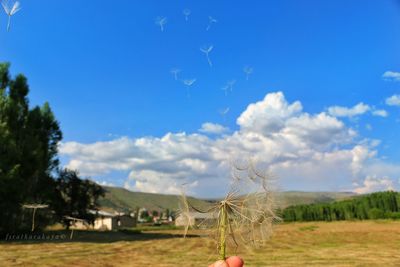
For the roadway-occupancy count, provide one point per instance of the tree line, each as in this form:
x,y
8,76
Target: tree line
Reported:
x,y
380,205
29,165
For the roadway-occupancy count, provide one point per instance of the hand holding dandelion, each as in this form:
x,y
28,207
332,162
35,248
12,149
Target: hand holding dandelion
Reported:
x,y
234,261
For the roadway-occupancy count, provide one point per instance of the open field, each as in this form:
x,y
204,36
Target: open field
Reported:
x,y
368,243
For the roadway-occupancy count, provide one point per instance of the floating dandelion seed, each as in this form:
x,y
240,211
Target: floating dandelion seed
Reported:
x,y
34,207
74,221
224,112
211,21
161,21
175,72
186,13
206,50
247,213
248,70
225,89
229,86
188,83
10,11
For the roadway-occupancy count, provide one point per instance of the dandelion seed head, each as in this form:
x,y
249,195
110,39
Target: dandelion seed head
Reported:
x,y
10,11
175,72
206,49
247,70
186,12
224,111
245,216
161,21
211,21
189,82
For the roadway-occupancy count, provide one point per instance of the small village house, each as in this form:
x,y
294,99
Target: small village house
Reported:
x,y
107,221
112,221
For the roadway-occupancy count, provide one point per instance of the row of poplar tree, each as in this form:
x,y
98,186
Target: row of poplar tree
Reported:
x,y
380,205
29,163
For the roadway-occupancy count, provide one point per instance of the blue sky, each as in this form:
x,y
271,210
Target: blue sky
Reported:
x,y
105,69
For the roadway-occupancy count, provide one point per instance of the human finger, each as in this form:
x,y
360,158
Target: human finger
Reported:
x,y
235,261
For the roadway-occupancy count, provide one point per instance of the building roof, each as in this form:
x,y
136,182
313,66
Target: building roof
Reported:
x,y
102,213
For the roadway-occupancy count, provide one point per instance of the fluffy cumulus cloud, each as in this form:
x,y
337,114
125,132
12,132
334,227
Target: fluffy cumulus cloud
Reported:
x,y
391,76
306,151
213,128
373,183
268,115
394,100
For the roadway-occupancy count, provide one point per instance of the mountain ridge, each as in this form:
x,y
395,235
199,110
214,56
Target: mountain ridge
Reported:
x,y
121,199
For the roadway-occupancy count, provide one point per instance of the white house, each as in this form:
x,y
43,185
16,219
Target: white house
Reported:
x,y
112,221
107,221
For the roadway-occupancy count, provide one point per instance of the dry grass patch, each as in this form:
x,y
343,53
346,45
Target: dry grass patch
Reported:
x,y
296,244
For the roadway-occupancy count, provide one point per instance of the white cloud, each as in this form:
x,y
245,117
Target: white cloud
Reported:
x,y
373,183
391,76
360,154
104,183
357,110
380,113
394,100
213,128
268,115
306,151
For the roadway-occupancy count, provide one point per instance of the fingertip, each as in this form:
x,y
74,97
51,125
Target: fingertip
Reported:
x,y
235,261
220,263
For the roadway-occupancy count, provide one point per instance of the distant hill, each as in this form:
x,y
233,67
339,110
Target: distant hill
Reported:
x,y
290,198
120,199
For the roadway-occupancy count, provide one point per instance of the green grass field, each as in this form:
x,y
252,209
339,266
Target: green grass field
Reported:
x,y
368,243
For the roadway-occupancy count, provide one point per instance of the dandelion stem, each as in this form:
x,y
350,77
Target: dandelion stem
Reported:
x,y
9,23
223,231
209,60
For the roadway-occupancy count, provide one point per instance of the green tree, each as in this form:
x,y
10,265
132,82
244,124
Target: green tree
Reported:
x,y
376,213
372,206
28,150
75,197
